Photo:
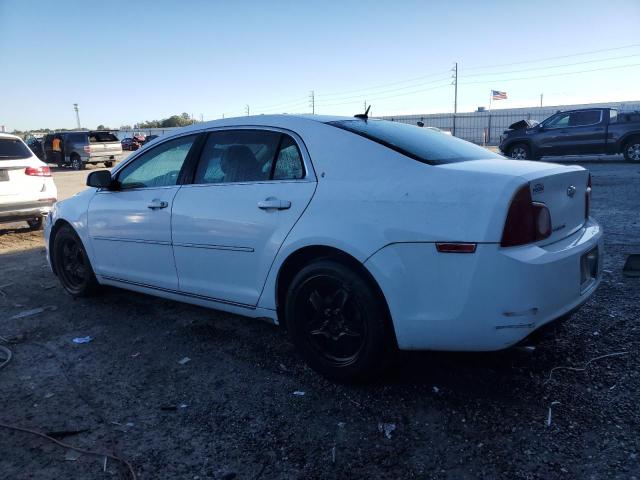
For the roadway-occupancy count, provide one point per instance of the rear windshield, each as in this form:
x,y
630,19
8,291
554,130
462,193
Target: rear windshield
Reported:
x,y
12,148
98,137
422,144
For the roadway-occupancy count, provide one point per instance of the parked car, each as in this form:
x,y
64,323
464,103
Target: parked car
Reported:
x,y
84,147
359,236
129,143
575,132
36,146
27,191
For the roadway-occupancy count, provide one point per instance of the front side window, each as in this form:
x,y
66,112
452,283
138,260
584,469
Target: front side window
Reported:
x,y
588,117
422,144
560,121
158,167
232,156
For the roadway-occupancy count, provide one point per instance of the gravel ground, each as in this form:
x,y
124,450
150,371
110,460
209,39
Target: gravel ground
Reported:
x,y
230,412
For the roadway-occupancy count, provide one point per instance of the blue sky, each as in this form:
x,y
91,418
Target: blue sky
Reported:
x,y
125,62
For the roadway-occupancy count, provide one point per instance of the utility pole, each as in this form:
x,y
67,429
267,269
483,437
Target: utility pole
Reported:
x,y
312,102
365,105
541,95
75,107
201,118
455,95
246,109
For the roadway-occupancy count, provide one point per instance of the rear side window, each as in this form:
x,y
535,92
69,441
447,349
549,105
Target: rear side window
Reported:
x,y
422,144
232,156
101,137
13,148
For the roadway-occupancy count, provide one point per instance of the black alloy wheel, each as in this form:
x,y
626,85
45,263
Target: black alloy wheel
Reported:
x,y
72,263
338,322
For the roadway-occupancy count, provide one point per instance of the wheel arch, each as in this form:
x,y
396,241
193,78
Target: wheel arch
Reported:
x,y
301,257
627,139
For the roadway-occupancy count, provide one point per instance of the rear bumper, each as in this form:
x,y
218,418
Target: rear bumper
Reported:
x,y
25,210
484,301
99,158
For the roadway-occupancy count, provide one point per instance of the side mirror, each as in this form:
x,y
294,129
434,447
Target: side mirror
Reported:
x,y
100,179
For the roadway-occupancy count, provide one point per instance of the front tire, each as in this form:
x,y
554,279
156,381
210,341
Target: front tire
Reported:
x,y
72,264
520,151
338,323
77,163
632,150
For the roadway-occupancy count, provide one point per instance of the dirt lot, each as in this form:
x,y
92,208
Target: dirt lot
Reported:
x,y
230,412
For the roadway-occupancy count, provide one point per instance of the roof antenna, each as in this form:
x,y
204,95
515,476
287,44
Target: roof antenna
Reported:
x,y
365,115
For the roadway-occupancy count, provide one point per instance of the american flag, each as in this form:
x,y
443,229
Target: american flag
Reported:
x,y
496,95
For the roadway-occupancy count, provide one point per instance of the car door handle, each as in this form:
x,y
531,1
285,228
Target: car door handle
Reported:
x,y
274,204
157,204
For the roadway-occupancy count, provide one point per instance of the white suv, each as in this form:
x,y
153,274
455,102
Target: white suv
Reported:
x,y
27,191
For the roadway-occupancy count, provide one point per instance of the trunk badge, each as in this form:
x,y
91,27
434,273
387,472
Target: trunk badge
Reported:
x,y
571,191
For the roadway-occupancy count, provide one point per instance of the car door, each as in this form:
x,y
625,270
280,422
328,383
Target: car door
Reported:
x,y
249,189
130,227
549,138
586,133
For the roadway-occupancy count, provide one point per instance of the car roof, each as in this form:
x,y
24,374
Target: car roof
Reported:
x,y
283,121
9,135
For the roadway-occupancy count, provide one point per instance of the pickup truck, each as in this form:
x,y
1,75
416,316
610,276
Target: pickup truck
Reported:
x,y
83,147
575,132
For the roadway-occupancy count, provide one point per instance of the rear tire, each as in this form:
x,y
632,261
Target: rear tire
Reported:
x,y
35,223
108,164
632,150
72,265
338,322
520,151
77,163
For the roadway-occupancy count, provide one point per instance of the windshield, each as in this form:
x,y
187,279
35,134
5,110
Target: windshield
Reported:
x,y
13,148
422,144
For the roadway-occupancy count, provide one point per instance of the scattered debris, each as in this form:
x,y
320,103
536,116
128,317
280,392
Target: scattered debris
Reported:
x,y
299,393
283,367
183,405
184,361
49,395
632,266
386,428
33,312
333,454
134,355
66,433
341,424
80,340
555,402
72,455
435,389
581,369
2,287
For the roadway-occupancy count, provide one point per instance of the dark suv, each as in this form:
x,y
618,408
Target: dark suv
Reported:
x,y
576,132
81,148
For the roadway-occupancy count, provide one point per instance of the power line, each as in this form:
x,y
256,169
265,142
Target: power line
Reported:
x,y
553,74
552,66
346,92
554,58
371,99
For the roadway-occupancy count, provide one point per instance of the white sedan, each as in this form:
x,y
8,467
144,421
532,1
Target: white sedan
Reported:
x,y
27,191
359,236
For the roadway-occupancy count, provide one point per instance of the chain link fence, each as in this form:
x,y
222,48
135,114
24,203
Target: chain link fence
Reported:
x,y
484,127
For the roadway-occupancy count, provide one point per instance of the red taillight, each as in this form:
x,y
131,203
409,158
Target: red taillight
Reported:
x,y
527,221
587,199
456,247
38,171
87,149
